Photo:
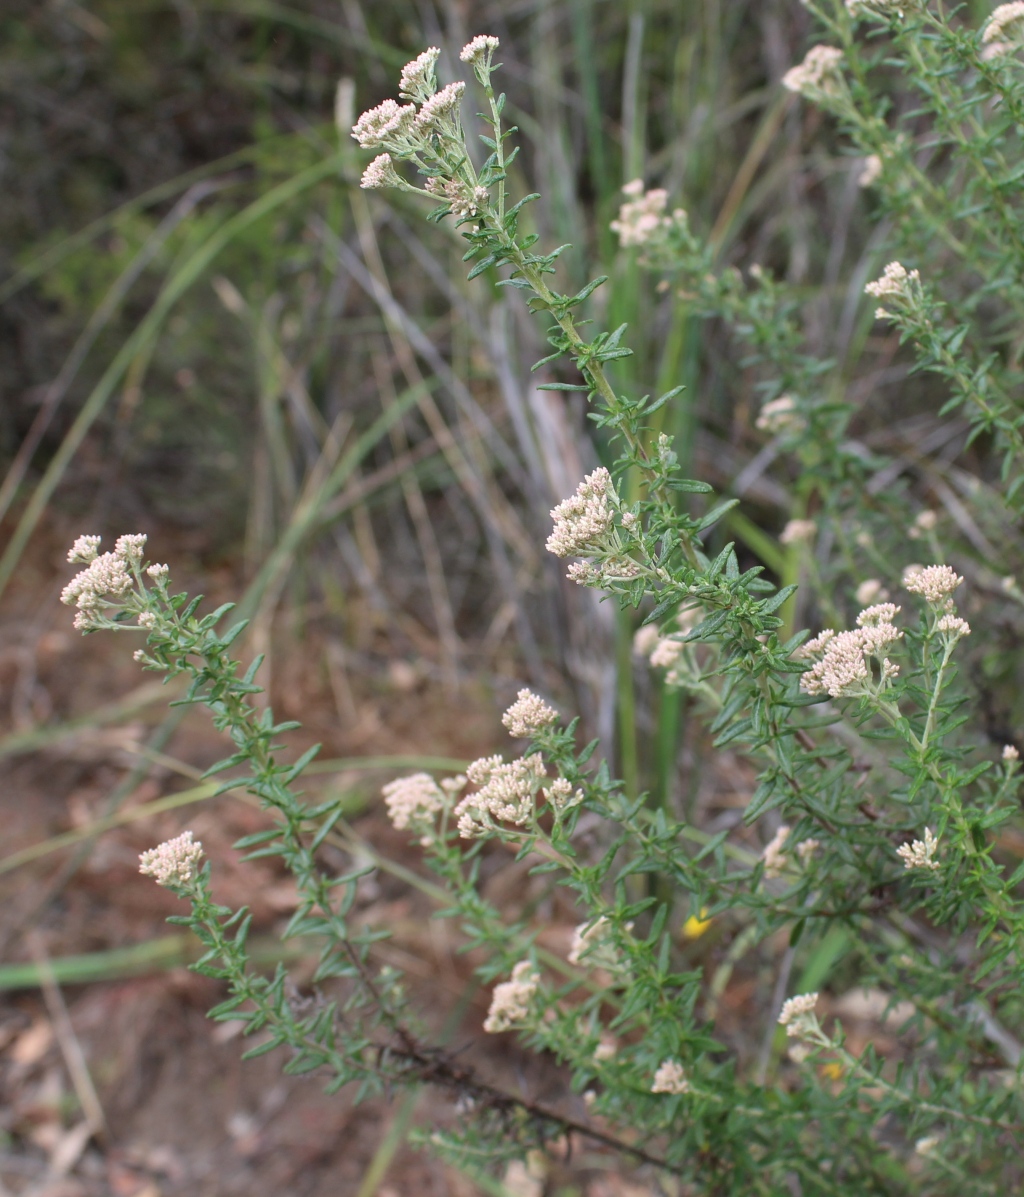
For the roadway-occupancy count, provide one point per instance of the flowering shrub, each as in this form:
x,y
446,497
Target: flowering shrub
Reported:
x,y
861,737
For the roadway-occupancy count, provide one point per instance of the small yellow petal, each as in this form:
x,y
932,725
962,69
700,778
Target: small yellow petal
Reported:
x,y
695,927
833,1070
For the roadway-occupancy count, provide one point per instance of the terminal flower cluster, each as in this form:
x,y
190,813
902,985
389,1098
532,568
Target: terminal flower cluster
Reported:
x,y
584,520
528,715
798,532
418,80
841,669
427,132
174,863
505,792
797,1015
775,860
642,218
592,944
780,416
510,1002
921,853
670,1077
1004,30
870,172
561,795
935,583
413,799
895,284
818,75
106,576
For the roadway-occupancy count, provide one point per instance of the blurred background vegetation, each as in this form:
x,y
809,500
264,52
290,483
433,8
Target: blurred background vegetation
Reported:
x,y
210,334
201,315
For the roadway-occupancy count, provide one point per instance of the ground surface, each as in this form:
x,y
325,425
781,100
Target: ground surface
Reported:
x,y
183,1113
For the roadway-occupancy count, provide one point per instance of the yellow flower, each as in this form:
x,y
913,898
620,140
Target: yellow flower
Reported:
x,y
695,926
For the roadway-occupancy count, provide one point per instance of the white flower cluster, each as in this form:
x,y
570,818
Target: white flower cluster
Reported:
x,y
870,172
406,130
84,549
413,799
664,651
418,80
895,282
593,945
505,791
173,863
670,1077
528,715
380,173
510,1002
479,49
1004,30
606,1049
797,1014
953,627
106,574
642,217
439,107
924,521
583,521
775,860
798,532
818,74
389,121
841,669
869,590
667,650
920,854
1010,753
935,583
561,796
780,416
464,200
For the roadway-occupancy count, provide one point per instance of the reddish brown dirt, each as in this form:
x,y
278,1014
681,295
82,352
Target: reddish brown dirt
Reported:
x,y
183,1113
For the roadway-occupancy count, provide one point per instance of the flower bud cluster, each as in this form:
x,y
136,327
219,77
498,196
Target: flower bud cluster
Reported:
x,y
921,853
528,715
780,416
174,863
775,860
510,1002
670,1077
427,131
818,75
841,670
1004,31
505,792
462,198
412,800
798,532
593,946
584,520
896,284
642,218
107,576
418,80
797,1015
870,172
935,583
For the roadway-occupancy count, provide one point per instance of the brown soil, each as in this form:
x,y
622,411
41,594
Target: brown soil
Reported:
x,y
183,1113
